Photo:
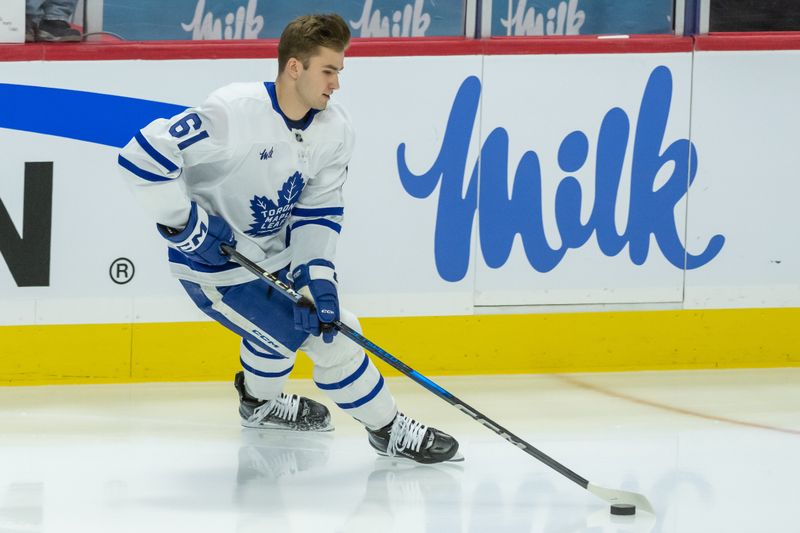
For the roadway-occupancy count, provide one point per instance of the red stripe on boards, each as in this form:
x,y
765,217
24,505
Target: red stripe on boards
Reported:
x,y
372,47
789,40
400,47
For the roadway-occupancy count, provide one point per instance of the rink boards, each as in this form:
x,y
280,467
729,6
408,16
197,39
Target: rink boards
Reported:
x,y
519,205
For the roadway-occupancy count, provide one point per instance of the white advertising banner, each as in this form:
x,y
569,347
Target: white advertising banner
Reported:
x,y
745,121
583,179
579,196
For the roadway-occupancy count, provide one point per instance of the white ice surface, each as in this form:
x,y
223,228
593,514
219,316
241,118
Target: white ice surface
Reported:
x,y
713,451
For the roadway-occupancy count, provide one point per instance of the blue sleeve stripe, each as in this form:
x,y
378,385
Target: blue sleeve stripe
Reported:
x,y
152,152
252,370
318,212
348,380
358,403
144,174
271,355
320,222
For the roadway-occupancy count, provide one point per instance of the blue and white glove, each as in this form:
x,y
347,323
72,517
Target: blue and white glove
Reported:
x,y
316,281
202,237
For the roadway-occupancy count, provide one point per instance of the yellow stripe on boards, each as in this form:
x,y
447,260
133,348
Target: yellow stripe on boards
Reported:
x,y
586,342
462,345
64,354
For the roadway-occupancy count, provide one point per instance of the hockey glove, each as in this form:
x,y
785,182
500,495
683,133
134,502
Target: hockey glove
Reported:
x,y
202,237
317,282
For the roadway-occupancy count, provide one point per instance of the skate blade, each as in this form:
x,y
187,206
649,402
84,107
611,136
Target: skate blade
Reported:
x,y
457,458
399,459
282,428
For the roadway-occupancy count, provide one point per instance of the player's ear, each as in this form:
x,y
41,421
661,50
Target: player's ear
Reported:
x,y
293,67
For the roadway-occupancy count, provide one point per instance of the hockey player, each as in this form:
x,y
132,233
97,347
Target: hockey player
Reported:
x,y
261,166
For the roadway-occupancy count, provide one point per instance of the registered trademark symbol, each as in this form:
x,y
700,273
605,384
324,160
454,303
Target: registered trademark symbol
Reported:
x,y
121,271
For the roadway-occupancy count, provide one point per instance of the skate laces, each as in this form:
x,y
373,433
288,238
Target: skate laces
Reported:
x,y
284,406
406,433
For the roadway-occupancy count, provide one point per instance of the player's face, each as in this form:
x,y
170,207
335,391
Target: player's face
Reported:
x,y
316,84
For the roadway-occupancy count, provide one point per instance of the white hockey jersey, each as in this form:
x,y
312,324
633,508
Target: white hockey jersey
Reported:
x,y
277,182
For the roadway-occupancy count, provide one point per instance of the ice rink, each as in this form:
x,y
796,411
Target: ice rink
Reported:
x,y
714,451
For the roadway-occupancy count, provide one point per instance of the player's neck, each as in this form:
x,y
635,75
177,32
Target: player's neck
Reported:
x,y
289,102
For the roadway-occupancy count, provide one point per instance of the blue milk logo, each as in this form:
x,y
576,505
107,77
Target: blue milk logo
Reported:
x,y
504,215
268,217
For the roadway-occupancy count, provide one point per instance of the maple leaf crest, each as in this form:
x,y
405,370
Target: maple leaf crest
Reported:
x,y
269,217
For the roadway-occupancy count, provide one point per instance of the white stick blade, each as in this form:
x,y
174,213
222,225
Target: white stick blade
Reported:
x,y
615,497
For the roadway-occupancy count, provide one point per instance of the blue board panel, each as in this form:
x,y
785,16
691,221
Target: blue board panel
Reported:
x,y
264,19
581,17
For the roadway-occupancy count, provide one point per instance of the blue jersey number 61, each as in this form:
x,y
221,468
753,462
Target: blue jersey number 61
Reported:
x,y
184,126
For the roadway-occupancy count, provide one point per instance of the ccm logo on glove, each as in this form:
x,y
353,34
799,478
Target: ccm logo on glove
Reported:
x,y
202,237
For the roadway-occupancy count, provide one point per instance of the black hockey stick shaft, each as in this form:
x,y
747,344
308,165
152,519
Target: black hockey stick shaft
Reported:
x,y
379,352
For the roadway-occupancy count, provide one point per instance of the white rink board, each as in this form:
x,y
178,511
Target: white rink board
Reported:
x,y
746,119
575,93
387,253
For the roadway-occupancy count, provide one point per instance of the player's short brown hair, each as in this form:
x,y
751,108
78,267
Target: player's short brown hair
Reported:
x,y
302,36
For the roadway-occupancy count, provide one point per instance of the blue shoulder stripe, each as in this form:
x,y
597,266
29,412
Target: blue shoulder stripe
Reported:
x,y
152,152
142,173
318,221
318,212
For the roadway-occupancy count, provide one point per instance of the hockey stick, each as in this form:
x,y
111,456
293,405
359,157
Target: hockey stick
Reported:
x,y
612,496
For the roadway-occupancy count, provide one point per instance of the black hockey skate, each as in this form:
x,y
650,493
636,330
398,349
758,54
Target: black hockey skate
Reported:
x,y
287,412
406,438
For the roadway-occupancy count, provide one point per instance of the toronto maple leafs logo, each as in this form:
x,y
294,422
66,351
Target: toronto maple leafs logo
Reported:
x,y
269,217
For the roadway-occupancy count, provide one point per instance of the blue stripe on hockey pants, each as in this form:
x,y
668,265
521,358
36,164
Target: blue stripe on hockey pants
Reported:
x,y
265,321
